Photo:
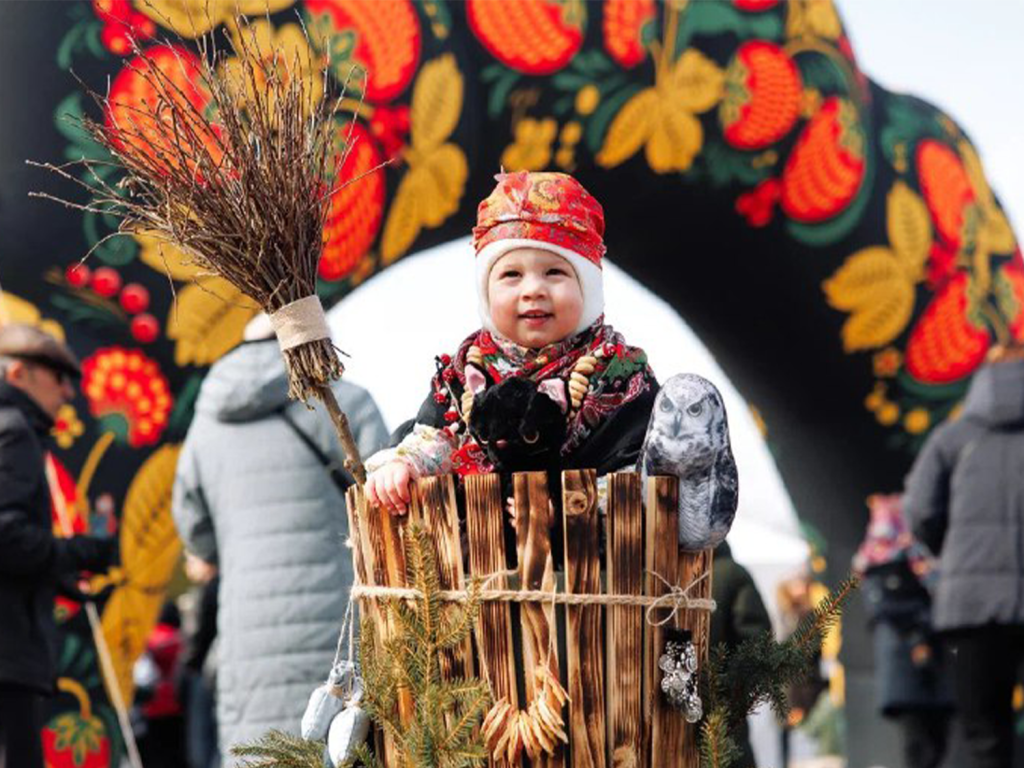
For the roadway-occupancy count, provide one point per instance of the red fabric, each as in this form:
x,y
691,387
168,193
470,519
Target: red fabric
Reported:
x,y
165,646
550,207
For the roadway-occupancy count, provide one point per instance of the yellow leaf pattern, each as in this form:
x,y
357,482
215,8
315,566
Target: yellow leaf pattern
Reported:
x,y
910,229
998,234
445,173
433,187
149,552
404,219
207,320
675,142
661,118
629,130
531,150
874,288
191,18
436,102
813,18
14,309
696,83
166,257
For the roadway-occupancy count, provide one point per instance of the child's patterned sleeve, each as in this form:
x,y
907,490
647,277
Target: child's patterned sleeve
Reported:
x,y
427,450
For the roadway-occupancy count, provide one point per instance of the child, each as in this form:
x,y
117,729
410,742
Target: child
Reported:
x,y
539,245
912,675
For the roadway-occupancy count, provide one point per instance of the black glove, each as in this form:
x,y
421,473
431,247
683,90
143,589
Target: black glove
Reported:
x,y
89,553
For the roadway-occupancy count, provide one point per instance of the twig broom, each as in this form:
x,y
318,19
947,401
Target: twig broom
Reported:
x,y
237,171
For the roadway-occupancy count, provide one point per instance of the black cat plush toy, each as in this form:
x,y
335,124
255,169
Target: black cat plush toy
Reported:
x,y
520,424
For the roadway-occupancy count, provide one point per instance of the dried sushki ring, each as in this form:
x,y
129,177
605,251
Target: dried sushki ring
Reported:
x,y
680,680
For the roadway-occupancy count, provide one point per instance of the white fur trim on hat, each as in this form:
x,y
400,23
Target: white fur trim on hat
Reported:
x,y
587,272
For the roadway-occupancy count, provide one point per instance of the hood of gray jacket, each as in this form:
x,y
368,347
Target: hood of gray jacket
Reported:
x,y
996,395
247,384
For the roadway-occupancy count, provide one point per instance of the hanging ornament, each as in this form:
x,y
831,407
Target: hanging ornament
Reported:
x,y
680,680
328,700
348,730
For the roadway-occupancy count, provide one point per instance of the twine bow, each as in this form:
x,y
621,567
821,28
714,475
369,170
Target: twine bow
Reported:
x,y
677,597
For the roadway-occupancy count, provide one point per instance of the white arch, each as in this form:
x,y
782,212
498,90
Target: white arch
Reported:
x,y
394,325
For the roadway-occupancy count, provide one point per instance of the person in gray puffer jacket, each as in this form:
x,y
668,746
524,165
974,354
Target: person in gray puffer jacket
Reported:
x,y
252,498
965,501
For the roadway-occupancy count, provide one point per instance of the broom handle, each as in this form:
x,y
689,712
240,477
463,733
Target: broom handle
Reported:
x,y
353,463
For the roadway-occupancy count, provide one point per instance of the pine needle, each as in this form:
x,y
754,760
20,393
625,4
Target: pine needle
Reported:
x,y
277,749
444,729
760,670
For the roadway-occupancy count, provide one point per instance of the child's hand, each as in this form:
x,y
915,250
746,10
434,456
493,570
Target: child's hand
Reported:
x,y
388,487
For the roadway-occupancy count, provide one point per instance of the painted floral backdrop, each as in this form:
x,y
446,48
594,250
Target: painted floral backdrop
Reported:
x,y
877,200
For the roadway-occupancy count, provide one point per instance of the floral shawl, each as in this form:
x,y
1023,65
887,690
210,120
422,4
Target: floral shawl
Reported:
x,y
605,432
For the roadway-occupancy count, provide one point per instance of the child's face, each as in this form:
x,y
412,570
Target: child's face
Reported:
x,y
535,297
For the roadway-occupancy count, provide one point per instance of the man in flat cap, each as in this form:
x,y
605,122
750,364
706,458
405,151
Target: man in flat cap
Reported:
x,y
36,373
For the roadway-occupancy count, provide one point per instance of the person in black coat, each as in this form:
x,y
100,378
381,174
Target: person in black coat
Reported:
x,y
912,674
740,615
965,501
36,373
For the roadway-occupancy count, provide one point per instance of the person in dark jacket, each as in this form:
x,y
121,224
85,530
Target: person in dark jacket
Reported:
x,y
911,666
36,373
965,500
740,615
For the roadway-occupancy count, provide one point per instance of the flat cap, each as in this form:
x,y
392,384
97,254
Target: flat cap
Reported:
x,y
26,342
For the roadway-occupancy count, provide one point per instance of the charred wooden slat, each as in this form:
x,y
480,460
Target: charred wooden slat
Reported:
x,y
584,645
693,566
484,526
372,569
534,519
434,503
662,555
624,643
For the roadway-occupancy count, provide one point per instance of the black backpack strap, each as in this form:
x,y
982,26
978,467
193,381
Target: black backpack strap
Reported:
x,y
339,476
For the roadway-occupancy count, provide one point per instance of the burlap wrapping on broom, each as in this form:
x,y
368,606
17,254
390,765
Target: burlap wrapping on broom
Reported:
x,y
300,322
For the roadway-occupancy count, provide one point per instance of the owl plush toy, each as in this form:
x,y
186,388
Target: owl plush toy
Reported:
x,y
688,436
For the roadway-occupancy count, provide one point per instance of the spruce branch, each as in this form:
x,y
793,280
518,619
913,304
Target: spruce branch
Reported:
x,y
444,729
277,749
365,757
736,682
717,747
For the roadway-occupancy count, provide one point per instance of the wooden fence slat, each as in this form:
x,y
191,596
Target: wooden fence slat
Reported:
x,y
433,503
367,606
666,725
692,566
386,567
534,518
370,523
624,625
584,646
484,526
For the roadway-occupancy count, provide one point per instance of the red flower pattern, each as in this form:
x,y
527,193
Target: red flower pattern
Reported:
x,y
758,205
122,24
126,383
